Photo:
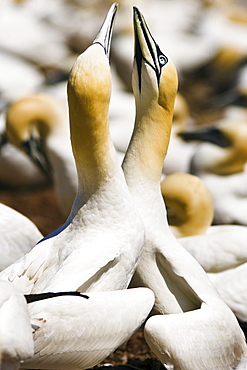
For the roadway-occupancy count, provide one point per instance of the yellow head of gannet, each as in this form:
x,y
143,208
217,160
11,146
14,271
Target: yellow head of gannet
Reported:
x,y
180,285
89,92
190,208
29,123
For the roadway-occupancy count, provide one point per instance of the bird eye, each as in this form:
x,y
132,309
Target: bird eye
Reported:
x,y
163,59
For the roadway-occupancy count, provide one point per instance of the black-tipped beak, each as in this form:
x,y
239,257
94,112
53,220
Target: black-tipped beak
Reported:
x,y
34,149
211,134
145,46
105,34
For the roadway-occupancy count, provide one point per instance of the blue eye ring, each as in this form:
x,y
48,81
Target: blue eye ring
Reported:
x,y
163,59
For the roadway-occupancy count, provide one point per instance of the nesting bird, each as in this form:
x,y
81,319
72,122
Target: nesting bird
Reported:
x,y
181,287
38,125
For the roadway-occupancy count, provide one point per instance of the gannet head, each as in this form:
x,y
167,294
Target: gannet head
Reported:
x,y
154,81
30,121
89,92
154,75
90,78
189,203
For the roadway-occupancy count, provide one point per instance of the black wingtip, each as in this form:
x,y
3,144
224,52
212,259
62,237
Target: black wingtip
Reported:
x,y
30,298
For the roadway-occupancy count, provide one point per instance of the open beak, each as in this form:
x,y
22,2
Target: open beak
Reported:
x,y
105,33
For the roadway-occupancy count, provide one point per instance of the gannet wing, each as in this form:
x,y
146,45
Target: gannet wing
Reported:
x,y
73,332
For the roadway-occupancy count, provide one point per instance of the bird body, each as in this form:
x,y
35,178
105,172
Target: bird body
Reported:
x,y
18,235
164,332
231,285
229,196
16,341
72,332
222,247
181,287
100,244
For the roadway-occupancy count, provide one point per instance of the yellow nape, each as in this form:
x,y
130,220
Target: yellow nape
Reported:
x,y
89,92
37,114
189,204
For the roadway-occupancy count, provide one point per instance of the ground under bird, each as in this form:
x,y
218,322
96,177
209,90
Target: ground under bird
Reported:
x,y
221,162
190,213
99,246
18,235
201,329
16,340
89,330
38,125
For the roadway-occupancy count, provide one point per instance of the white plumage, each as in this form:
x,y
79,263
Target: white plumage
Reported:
x,y
16,341
18,235
73,332
231,285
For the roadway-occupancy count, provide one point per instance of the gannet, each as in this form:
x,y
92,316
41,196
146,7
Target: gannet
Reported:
x,y
200,327
221,162
100,244
190,213
38,125
72,332
16,340
18,235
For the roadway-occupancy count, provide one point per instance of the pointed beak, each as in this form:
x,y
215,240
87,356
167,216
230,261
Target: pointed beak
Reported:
x,y
211,134
145,46
105,34
34,150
